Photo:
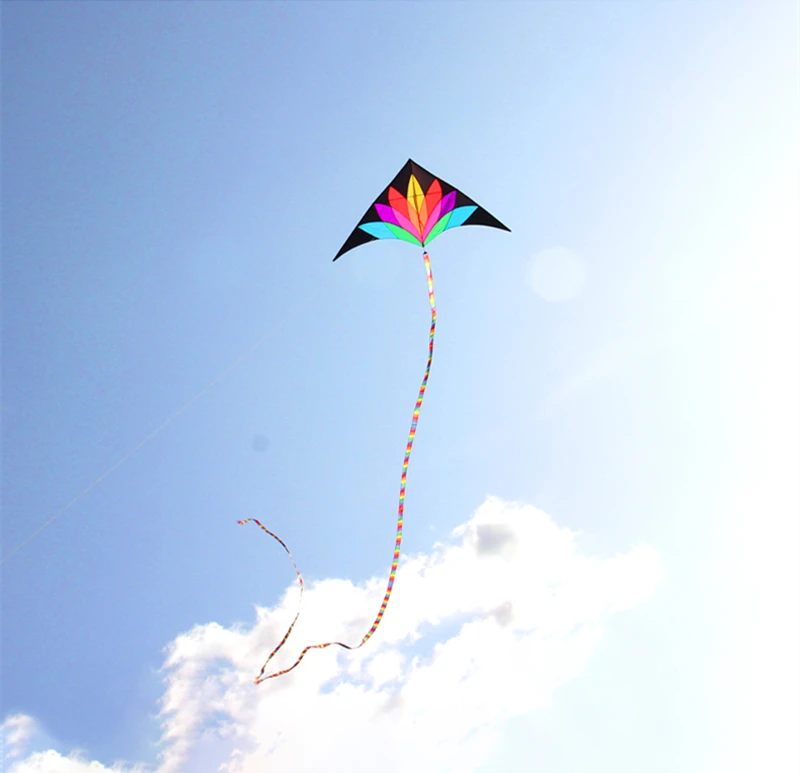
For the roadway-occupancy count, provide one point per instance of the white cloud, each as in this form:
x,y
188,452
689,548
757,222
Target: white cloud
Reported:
x,y
481,629
25,747
18,731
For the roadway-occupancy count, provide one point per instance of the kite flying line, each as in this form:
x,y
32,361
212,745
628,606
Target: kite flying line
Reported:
x,y
207,388
400,512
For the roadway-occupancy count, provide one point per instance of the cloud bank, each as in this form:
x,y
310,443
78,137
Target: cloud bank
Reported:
x,y
479,630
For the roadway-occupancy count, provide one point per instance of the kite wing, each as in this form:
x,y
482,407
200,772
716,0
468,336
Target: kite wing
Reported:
x,y
416,207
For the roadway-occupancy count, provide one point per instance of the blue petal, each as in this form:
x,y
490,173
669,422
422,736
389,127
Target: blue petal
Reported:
x,y
458,216
378,229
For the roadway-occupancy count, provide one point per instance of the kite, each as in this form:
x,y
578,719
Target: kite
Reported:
x,y
415,207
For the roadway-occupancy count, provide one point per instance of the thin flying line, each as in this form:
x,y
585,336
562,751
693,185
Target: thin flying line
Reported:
x,y
162,426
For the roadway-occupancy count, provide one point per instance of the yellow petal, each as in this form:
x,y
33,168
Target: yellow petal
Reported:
x,y
415,194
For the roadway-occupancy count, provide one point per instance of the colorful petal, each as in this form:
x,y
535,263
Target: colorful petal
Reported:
x,y
401,233
398,202
387,214
415,194
381,230
416,199
433,196
438,228
423,216
432,220
401,220
378,230
448,202
430,211
459,216
440,210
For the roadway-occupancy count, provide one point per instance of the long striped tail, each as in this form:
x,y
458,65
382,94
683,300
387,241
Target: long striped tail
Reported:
x,y
262,677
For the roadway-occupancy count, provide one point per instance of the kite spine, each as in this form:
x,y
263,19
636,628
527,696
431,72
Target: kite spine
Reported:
x,y
400,513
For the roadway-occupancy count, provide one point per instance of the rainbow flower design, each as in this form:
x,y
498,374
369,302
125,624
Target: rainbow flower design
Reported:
x,y
428,207
417,217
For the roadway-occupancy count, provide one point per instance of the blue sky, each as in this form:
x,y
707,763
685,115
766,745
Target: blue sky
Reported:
x,y
617,378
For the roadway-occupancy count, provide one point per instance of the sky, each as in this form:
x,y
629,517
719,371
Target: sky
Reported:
x,y
600,566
